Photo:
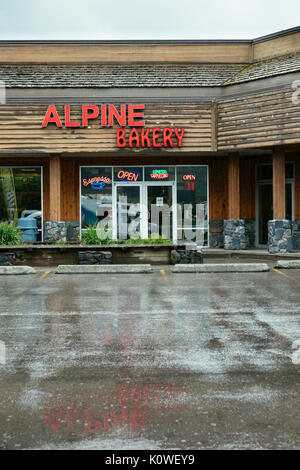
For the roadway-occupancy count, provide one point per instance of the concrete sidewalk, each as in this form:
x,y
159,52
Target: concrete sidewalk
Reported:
x,y
261,254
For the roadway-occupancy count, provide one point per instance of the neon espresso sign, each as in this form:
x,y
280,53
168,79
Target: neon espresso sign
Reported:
x,y
132,131
159,175
97,182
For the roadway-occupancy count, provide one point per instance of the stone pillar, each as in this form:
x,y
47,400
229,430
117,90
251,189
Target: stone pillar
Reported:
x,y
234,234
234,227
64,231
296,235
55,231
279,229
279,236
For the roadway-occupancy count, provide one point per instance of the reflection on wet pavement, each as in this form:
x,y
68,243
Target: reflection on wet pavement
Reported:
x,y
149,361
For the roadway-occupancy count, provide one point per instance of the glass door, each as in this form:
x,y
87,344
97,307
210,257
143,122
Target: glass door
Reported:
x,y
128,209
265,207
160,214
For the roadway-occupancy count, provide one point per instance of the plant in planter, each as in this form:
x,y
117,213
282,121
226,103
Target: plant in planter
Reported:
x,y
61,241
9,234
91,236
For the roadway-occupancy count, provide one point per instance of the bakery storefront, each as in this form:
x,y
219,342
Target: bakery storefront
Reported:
x,y
146,202
197,141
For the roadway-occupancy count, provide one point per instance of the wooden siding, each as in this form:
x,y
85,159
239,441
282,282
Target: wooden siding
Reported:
x,y
21,131
247,187
255,121
233,185
69,190
122,53
235,52
218,188
258,120
287,44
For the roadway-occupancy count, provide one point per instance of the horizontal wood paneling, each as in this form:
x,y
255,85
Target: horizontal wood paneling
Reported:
x,y
21,131
179,53
276,46
258,120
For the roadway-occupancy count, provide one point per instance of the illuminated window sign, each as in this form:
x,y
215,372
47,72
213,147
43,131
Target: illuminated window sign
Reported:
x,y
125,175
188,177
189,186
97,182
159,174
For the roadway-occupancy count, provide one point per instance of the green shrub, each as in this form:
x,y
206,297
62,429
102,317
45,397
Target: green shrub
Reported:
x,y
61,241
9,234
157,240
90,237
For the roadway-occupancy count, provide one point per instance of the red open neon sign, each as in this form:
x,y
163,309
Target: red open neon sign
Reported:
x,y
188,177
128,175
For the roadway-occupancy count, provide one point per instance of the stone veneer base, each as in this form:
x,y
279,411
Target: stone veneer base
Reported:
x,y
65,231
279,236
234,234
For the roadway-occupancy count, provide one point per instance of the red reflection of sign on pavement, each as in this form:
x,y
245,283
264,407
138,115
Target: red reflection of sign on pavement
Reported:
x,y
130,406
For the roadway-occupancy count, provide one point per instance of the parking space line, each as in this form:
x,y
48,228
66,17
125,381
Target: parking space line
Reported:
x,y
44,275
164,275
283,274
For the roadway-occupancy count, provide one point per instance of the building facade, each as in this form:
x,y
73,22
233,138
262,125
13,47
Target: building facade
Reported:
x,y
205,131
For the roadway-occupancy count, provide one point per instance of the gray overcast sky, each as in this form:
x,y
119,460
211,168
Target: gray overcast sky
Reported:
x,y
139,19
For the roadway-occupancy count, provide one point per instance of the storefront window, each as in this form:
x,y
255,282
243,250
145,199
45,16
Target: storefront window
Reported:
x,y
148,202
20,194
96,195
192,207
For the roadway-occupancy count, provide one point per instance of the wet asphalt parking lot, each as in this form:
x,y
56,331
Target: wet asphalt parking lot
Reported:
x,y
151,361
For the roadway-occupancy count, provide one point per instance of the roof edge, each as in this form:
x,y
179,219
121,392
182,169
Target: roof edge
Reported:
x,y
124,42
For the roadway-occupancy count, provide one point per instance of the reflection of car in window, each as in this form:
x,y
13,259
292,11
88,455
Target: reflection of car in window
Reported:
x,y
92,211
31,213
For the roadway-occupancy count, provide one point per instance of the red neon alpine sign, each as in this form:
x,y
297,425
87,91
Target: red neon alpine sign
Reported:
x,y
129,115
